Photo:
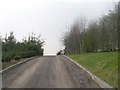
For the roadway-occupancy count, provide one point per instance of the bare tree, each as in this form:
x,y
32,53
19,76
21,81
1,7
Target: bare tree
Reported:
x,y
97,35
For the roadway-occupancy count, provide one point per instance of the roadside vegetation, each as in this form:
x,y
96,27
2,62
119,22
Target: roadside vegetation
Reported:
x,y
13,50
103,65
92,36
94,44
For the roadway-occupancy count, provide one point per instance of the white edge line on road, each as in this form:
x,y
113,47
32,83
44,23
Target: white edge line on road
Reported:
x,y
16,64
99,81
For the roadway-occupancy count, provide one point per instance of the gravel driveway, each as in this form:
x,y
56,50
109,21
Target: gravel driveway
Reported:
x,y
48,72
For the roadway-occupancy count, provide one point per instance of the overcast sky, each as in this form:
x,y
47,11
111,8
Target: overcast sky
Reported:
x,y
47,17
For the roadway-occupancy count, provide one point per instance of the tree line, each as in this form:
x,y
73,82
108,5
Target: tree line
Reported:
x,y
97,35
13,49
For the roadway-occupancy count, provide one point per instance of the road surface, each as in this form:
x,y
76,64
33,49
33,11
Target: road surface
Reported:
x,y
48,72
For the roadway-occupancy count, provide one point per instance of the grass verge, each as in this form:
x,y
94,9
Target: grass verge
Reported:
x,y
12,62
103,65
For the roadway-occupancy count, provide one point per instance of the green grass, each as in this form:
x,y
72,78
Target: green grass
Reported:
x,y
103,65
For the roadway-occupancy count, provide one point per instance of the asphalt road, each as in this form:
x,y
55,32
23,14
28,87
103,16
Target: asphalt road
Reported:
x,y
48,72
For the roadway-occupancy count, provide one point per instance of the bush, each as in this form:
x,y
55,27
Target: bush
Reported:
x,y
27,54
6,56
17,57
11,49
23,55
31,53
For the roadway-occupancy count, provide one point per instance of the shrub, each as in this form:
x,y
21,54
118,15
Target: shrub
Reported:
x,y
27,54
17,57
23,55
6,57
11,49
